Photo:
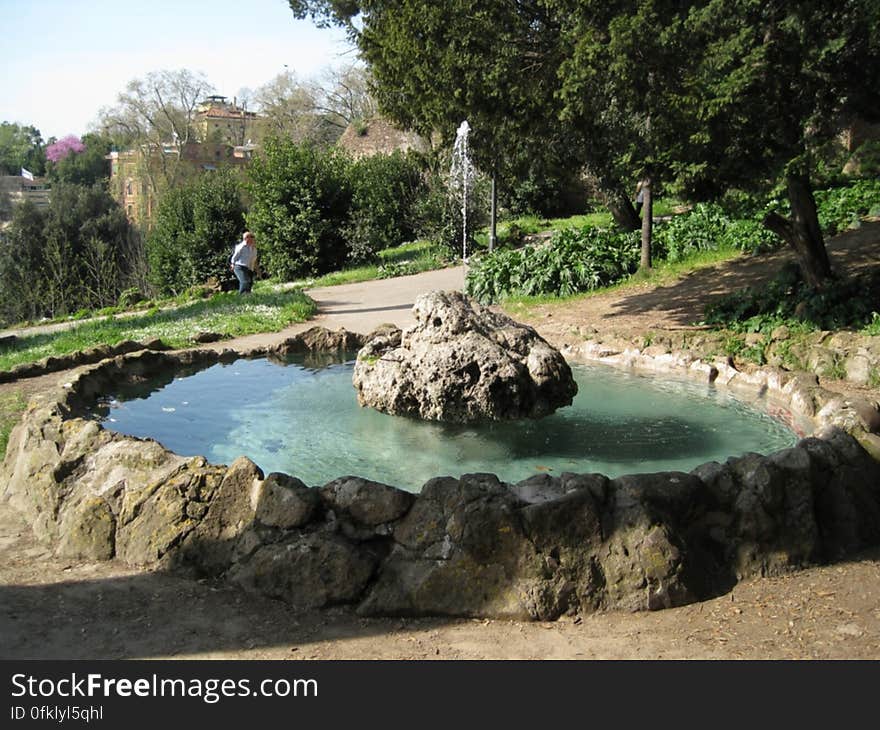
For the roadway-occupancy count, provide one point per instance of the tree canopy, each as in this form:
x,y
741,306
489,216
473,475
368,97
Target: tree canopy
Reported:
x,y
777,82
705,95
78,253
86,166
21,146
157,113
315,111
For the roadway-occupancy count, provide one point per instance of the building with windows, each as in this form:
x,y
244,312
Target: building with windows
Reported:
x,y
15,189
222,122
224,135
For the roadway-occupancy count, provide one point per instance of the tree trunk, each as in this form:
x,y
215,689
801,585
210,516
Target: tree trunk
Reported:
x,y
647,224
623,212
802,232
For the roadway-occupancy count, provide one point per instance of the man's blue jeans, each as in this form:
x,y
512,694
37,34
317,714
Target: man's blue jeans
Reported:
x,y
245,278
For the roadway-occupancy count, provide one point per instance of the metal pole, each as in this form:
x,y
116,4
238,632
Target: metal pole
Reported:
x,y
493,218
464,216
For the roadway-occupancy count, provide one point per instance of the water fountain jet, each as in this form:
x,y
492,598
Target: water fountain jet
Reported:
x,y
461,177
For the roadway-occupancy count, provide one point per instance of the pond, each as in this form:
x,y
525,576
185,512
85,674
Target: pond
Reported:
x,y
302,418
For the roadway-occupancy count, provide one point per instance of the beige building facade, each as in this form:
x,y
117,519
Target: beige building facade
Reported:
x,y
15,189
226,135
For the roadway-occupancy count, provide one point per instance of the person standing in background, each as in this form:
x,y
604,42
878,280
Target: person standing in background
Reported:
x,y
640,197
244,262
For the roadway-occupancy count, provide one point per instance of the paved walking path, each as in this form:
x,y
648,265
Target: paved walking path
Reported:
x,y
360,307
356,307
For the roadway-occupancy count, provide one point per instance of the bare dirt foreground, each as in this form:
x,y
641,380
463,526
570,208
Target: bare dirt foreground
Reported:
x,y
50,608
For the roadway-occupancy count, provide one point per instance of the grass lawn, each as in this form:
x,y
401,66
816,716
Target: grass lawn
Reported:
x,y
229,314
12,405
528,225
409,258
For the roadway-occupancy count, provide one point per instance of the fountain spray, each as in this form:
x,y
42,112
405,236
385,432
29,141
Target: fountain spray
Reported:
x,y
462,174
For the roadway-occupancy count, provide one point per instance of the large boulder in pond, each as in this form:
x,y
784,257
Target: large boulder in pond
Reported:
x,y
462,362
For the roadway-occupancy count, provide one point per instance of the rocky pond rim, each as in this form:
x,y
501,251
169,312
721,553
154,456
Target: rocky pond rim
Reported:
x,y
70,477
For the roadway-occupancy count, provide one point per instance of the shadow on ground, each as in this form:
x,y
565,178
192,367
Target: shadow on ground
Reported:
x,y
677,302
156,614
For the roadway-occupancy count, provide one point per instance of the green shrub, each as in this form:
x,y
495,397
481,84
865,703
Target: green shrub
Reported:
x,y
384,190
572,261
437,212
436,216
300,202
841,207
786,299
549,193
197,227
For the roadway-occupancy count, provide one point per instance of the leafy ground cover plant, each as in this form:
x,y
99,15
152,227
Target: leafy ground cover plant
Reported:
x,y
572,261
850,304
707,227
841,207
787,300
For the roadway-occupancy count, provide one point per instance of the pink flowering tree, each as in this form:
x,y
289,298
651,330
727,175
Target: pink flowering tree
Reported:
x,y
57,151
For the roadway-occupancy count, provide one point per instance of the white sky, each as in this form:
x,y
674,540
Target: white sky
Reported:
x,y
65,59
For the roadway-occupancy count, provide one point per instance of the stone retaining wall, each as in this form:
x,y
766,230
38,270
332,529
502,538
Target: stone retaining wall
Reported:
x,y
795,397
472,546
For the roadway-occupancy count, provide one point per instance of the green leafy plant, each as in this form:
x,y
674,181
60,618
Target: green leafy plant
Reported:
x,y
841,207
788,300
393,269
572,261
707,227
384,191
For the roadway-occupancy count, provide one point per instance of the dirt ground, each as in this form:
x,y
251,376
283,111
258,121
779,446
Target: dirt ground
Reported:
x,y
51,608
680,304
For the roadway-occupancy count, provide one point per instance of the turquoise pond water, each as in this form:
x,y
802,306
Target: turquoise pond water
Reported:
x,y
304,420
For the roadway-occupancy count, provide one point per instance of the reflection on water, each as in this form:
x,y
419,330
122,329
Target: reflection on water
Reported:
x,y
303,419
